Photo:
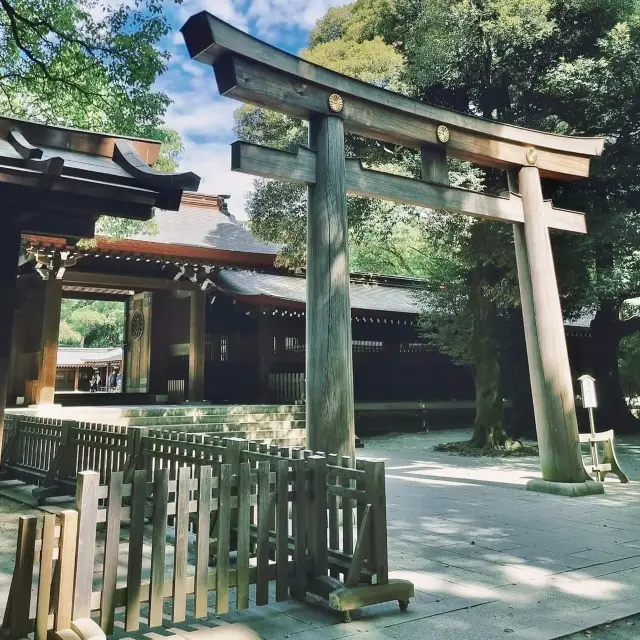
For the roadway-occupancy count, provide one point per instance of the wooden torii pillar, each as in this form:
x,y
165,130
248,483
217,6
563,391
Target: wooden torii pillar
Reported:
x,y
254,72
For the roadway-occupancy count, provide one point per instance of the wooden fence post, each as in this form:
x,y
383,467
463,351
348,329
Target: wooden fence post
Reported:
x,y
19,602
299,518
87,506
45,578
264,512
111,547
317,534
282,529
244,536
134,565
158,547
224,530
10,439
375,496
201,588
66,569
136,453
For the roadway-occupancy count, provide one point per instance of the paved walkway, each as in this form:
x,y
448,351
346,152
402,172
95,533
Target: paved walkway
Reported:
x,y
488,559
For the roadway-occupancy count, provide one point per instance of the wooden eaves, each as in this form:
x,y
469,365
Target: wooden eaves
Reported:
x,y
58,181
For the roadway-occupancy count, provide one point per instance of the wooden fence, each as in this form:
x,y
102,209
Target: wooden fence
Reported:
x,y
308,523
287,387
50,453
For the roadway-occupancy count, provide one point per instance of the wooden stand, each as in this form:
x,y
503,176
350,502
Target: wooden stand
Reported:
x,y
609,462
329,365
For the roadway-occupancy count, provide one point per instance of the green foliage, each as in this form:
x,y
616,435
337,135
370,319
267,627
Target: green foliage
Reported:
x,y
630,365
84,63
371,61
91,323
565,66
92,65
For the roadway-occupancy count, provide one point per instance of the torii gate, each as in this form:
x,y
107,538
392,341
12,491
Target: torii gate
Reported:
x,y
255,72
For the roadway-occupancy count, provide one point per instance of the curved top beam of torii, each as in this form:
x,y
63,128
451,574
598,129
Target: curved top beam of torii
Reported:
x,y
253,71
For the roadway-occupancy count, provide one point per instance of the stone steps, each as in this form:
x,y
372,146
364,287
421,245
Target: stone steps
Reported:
x,y
230,427
187,421
205,410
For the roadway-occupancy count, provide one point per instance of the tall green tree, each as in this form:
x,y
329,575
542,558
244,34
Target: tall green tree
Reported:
x,y
84,63
391,238
567,67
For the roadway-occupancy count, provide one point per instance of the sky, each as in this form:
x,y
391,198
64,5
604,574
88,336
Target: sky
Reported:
x,y
203,118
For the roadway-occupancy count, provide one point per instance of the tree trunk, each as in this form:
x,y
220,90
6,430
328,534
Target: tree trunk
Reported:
x,y
515,377
606,333
488,427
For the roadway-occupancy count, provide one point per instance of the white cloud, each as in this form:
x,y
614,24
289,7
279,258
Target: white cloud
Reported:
x,y
212,162
199,114
194,114
287,13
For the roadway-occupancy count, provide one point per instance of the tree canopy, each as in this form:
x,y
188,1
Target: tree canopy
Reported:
x,y
84,63
91,323
562,66
92,65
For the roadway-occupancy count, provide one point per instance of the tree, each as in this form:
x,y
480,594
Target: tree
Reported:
x,y
567,67
91,323
91,65
85,63
379,232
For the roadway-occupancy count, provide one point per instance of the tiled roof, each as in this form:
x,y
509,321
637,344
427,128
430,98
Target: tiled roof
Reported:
x,y
200,223
84,356
373,296
364,296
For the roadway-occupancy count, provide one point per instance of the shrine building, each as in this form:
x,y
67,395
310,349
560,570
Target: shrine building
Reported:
x,y
211,318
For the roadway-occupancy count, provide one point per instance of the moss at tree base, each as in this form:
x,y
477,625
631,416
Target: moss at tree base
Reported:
x,y
466,448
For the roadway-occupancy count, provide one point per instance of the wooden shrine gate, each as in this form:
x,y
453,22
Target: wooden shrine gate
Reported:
x,y
254,72
307,522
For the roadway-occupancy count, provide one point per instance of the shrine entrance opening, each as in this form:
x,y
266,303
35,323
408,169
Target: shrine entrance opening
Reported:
x,y
254,72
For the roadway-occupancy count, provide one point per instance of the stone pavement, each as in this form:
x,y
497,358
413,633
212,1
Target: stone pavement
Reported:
x,y
488,559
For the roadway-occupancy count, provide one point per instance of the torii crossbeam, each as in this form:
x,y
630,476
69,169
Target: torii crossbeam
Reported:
x,y
254,72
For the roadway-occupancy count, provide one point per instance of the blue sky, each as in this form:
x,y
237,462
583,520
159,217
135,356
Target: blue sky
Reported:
x,y
198,113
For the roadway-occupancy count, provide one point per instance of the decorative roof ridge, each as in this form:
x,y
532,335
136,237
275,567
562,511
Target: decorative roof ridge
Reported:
x,y
355,277
206,201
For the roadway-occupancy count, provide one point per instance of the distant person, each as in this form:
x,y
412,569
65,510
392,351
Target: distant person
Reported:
x,y
98,381
92,384
119,382
113,381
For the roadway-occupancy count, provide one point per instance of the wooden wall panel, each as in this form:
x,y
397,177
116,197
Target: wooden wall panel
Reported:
x,y
139,341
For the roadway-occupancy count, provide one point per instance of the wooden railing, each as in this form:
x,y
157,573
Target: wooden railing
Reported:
x,y
175,390
50,453
306,522
287,387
